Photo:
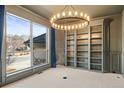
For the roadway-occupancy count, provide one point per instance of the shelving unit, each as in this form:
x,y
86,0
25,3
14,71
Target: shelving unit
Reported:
x,y
85,48
96,47
70,48
82,48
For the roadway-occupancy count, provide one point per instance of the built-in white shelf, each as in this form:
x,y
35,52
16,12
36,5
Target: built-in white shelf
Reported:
x,y
87,45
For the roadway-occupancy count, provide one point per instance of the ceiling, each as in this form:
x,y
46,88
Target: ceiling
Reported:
x,y
93,10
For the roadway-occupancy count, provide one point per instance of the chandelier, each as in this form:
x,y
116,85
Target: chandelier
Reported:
x,y
69,19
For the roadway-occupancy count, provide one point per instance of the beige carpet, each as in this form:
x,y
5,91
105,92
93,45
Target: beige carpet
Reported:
x,y
53,77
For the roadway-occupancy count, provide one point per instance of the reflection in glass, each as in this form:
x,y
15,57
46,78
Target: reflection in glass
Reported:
x,y
18,55
39,44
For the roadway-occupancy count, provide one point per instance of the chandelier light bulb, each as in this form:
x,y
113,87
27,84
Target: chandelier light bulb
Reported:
x,y
51,21
54,17
58,15
85,15
61,26
65,27
68,27
55,25
82,24
81,14
88,18
63,13
76,13
72,27
76,26
86,23
69,13
79,25
58,26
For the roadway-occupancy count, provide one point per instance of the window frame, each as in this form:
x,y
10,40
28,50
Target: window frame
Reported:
x,y
31,44
47,31
26,20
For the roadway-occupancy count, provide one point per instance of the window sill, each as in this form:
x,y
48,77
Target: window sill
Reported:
x,y
23,70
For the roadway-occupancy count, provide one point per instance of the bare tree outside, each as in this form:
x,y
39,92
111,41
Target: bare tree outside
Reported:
x,y
18,54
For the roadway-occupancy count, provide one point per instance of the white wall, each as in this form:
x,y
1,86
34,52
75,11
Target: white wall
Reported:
x,y
60,47
115,33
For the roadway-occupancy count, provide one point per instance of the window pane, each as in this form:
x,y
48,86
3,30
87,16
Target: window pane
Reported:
x,y
18,54
39,44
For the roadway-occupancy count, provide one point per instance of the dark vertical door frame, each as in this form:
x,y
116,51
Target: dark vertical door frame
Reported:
x,y
53,48
2,17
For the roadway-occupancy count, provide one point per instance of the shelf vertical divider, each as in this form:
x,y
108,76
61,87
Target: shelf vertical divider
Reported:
x,y
89,47
75,48
65,48
102,47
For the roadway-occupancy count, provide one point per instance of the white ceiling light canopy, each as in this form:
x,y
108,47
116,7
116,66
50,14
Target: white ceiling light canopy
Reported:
x,y
69,19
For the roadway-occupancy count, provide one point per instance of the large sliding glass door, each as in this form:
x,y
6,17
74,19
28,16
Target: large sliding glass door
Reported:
x,y
26,44
18,54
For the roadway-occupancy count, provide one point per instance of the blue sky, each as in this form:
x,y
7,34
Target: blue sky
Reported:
x,y
16,26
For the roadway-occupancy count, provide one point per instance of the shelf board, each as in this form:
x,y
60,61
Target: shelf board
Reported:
x,y
95,37
82,33
82,57
95,44
97,58
71,45
82,38
96,32
70,39
96,50
70,61
96,64
80,62
82,50
82,44
70,56
70,34
70,51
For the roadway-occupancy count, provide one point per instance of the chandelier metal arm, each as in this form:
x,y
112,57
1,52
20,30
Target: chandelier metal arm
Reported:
x,y
72,7
64,8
